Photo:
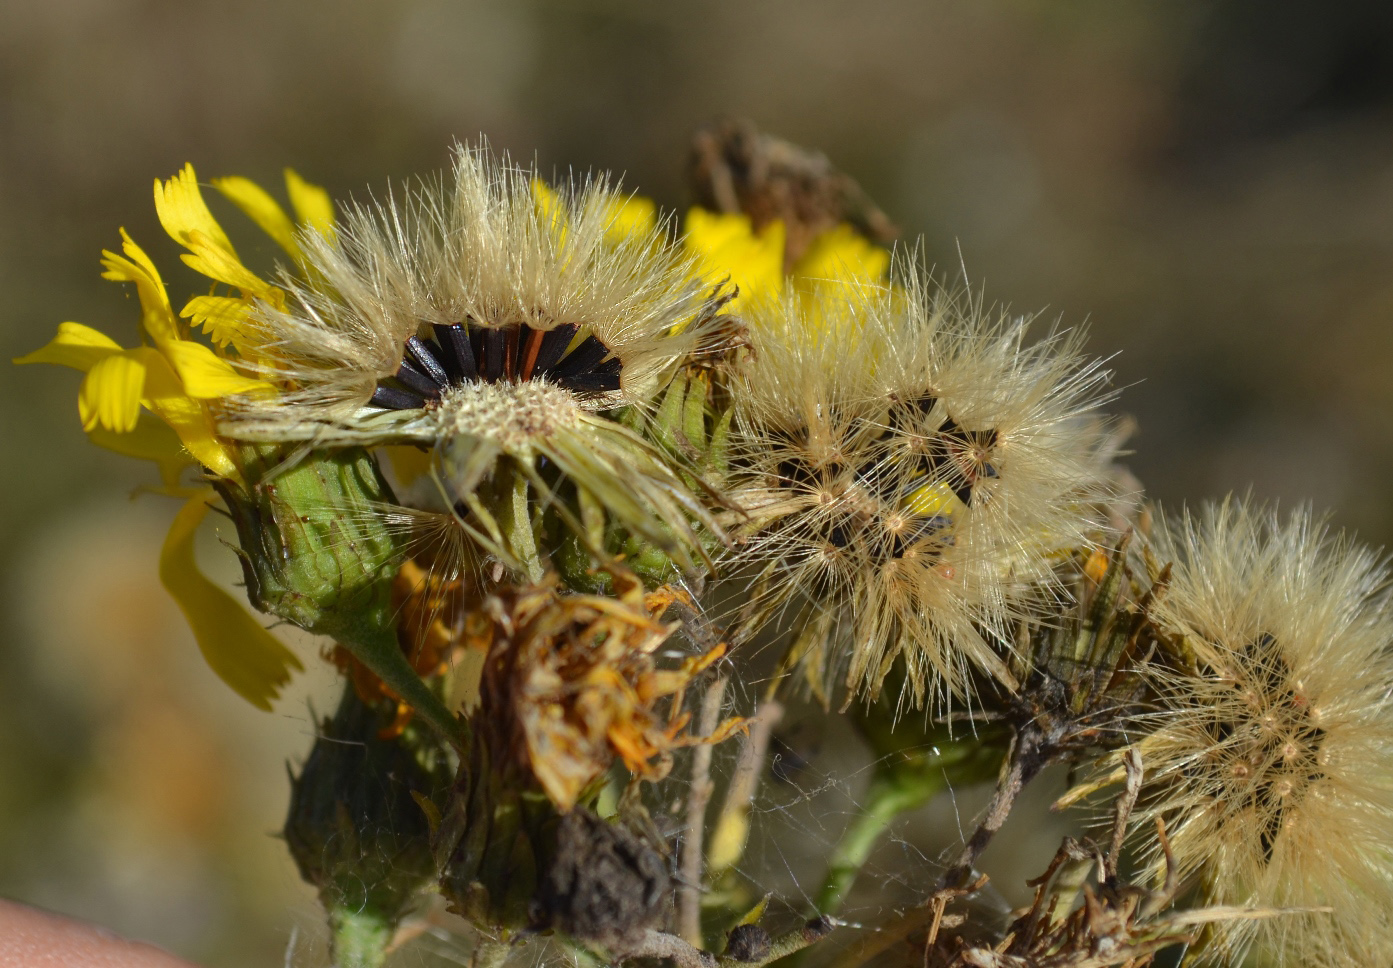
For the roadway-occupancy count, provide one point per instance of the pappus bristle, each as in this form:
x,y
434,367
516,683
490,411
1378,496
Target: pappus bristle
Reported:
x,y
912,471
1270,758
492,319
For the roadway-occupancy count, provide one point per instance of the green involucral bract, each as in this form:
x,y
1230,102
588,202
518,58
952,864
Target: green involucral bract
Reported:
x,y
316,551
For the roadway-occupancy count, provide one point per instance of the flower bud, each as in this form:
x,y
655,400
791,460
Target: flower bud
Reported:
x,y
356,826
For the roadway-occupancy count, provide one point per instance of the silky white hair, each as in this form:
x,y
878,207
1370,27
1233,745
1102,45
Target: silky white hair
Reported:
x,y
855,429
492,247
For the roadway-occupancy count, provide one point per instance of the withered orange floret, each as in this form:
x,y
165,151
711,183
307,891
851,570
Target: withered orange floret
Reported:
x,y
572,681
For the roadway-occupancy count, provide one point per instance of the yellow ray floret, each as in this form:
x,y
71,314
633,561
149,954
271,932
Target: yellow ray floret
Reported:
x,y
841,254
244,655
625,217
176,379
727,245
185,216
119,381
313,209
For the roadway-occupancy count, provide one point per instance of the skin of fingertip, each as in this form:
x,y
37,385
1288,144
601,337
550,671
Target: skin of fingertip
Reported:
x,y
30,938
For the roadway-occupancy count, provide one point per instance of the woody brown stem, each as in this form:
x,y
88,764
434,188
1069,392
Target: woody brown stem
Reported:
x,y
689,893
733,825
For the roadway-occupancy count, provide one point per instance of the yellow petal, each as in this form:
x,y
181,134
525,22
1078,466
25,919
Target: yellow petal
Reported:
x,y
550,211
545,198
224,319
111,393
244,654
215,262
632,216
262,209
156,315
727,246
931,499
409,464
182,211
205,375
186,218
150,440
75,345
314,209
187,417
843,255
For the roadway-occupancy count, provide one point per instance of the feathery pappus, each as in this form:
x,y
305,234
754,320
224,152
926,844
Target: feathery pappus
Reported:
x,y
1270,759
911,470
492,319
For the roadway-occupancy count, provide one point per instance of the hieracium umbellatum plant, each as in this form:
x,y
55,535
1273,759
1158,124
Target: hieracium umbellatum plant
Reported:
x,y
583,498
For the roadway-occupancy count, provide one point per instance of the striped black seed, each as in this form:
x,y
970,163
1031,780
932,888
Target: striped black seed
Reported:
x,y
554,344
593,382
391,398
584,357
464,352
598,380
495,342
426,362
456,355
510,351
416,381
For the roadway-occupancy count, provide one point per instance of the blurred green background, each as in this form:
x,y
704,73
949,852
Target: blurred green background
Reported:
x,y
1209,185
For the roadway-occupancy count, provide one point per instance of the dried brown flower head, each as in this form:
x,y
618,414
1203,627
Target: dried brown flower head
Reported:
x,y
572,681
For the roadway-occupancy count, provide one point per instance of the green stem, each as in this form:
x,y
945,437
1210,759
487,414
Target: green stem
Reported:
x,y
359,938
895,789
376,647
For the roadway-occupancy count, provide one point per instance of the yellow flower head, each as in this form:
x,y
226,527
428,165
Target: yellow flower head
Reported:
x,y
159,401
728,245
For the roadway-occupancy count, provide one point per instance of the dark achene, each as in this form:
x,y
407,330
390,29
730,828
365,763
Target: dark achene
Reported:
x,y
467,352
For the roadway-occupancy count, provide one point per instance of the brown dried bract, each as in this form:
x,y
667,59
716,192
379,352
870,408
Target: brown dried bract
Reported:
x,y
1119,923
572,681
735,168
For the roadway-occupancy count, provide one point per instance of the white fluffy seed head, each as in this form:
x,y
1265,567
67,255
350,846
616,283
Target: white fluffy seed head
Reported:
x,y
912,468
1271,759
490,247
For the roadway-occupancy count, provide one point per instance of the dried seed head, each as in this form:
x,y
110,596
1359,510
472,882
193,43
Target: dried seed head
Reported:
x,y
1271,758
493,278
911,468
493,319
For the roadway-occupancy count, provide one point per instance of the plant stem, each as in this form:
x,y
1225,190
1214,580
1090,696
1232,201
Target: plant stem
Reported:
x,y
896,788
359,938
732,827
689,893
